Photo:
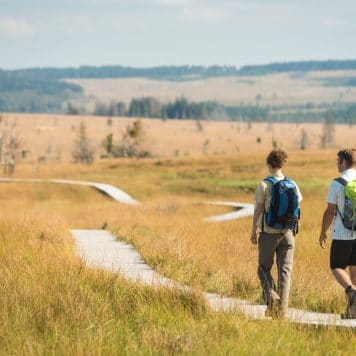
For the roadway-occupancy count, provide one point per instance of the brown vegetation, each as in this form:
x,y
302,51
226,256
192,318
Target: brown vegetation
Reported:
x,y
169,138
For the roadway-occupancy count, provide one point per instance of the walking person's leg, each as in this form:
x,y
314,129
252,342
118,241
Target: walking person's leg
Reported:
x,y
343,278
351,294
285,253
343,255
353,274
266,250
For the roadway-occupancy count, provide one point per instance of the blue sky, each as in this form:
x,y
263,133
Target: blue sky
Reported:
x,y
162,32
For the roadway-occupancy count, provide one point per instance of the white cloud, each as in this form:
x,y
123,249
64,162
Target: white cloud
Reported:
x,y
16,28
102,1
335,22
208,14
171,2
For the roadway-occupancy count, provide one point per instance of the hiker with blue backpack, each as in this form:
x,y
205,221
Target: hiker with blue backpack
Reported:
x,y
341,211
276,216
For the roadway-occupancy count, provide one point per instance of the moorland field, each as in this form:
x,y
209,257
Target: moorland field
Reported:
x,y
52,303
51,137
291,88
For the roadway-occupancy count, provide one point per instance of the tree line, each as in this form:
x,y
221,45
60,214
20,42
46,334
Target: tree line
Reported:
x,y
298,66
344,114
184,72
181,108
117,71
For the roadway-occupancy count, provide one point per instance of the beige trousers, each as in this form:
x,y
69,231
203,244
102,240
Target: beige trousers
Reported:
x,y
281,245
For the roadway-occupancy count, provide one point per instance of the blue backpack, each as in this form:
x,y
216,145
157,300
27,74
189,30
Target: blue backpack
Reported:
x,y
284,212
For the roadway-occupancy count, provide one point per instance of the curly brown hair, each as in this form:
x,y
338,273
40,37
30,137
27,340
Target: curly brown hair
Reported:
x,y
349,155
277,158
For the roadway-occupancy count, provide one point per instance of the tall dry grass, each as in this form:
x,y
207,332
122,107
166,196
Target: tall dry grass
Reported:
x,y
169,231
51,303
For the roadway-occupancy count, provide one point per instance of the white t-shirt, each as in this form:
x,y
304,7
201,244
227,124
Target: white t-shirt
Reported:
x,y
337,196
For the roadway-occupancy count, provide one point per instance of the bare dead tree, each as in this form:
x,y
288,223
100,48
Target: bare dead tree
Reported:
x,y
2,147
131,140
199,126
10,144
327,139
130,144
83,150
304,140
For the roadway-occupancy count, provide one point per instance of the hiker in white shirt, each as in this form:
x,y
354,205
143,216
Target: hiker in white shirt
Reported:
x,y
343,247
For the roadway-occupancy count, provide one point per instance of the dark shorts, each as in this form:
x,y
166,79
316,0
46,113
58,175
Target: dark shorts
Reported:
x,y
342,253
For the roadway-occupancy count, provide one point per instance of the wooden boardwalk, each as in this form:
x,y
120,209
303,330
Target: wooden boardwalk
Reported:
x,y
100,249
108,189
242,209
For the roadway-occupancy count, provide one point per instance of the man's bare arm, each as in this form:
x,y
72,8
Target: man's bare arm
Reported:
x,y
328,218
256,215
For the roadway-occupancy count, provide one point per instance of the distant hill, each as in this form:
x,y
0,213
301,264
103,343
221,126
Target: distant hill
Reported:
x,y
162,72
28,93
303,66
45,90
178,72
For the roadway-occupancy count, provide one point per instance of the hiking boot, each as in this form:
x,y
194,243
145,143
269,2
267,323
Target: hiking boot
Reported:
x,y
350,312
282,313
273,305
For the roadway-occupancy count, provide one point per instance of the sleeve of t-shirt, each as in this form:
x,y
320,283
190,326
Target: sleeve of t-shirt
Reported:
x,y
332,195
300,196
260,193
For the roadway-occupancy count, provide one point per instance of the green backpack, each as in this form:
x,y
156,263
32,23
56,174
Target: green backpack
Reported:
x,y
349,216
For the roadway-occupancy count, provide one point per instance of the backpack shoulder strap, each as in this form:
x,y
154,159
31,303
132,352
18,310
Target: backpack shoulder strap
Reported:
x,y
271,180
341,180
291,181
